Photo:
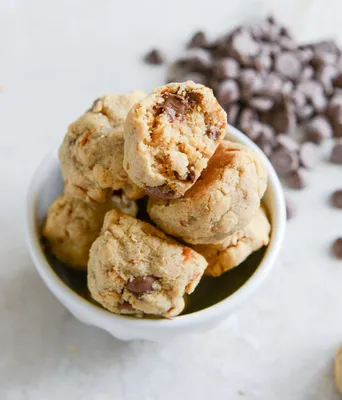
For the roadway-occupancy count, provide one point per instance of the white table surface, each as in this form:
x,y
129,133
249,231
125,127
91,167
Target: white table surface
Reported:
x,y
55,58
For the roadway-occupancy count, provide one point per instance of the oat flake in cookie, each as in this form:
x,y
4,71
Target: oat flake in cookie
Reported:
x,y
136,269
170,137
224,199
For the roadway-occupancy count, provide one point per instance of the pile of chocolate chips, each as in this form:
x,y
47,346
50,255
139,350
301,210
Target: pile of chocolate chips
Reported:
x,y
270,86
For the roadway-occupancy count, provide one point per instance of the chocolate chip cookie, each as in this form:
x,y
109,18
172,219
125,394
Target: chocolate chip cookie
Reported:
x,y
71,227
237,247
170,137
224,200
136,269
91,154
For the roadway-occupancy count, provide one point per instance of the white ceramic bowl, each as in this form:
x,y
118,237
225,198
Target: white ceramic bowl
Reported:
x,y
47,184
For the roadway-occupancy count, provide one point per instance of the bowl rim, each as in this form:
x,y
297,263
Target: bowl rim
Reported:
x,y
102,317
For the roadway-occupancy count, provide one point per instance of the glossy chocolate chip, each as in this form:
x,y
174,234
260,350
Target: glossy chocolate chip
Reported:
x,y
284,161
282,117
161,192
199,39
336,153
337,248
288,65
233,113
196,77
336,199
228,92
287,142
226,68
125,306
318,129
261,103
244,46
213,132
141,284
298,179
154,57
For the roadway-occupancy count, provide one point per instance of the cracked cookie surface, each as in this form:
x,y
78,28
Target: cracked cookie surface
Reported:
x,y
136,269
71,227
237,247
224,200
170,136
91,154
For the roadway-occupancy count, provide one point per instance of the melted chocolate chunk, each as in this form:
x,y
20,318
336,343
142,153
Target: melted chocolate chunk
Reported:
x,y
162,192
141,284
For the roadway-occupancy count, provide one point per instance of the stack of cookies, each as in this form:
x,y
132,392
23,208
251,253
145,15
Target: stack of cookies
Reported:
x,y
203,196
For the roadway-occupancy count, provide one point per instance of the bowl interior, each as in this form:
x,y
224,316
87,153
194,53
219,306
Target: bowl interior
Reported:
x,y
210,291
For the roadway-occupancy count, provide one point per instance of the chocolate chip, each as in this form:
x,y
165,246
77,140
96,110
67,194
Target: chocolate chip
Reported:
x,y
290,208
141,284
314,92
336,153
161,192
337,248
226,68
318,129
247,117
251,82
321,59
199,60
308,155
286,142
154,57
265,139
126,306
284,161
228,92
177,106
282,117
288,65
261,103
336,199
213,132
198,40
297,98
263,63
244,46
305,112
298,179
334,113
326,75
196,77
232,113
272,85
307,73
338,80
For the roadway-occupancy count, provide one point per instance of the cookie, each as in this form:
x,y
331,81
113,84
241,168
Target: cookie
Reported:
x,y
224,200
91,154
136,269
71,227
170,136
237,247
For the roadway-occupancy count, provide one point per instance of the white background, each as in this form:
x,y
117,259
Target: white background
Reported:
x,y
55,58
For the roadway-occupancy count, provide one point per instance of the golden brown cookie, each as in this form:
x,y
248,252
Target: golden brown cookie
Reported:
x,y
224,200
237,247
170,136
71,227
91,154
136,269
